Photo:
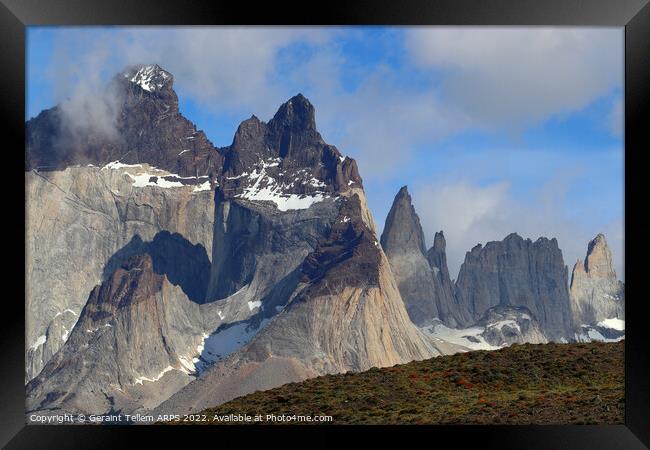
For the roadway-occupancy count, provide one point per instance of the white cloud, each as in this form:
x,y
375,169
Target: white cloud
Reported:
x,y
86,102
513,77
467,214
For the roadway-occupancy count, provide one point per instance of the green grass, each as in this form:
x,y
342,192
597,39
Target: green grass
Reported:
x,y
522,384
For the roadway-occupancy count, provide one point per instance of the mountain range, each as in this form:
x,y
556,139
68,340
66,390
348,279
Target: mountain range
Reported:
x,y
166,274
508,291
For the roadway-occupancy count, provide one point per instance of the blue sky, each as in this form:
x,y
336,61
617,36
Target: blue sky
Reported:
x,y
494,130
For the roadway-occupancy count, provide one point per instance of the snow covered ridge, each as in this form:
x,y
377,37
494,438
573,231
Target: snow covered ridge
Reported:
x,y
264,187
150,78
144,175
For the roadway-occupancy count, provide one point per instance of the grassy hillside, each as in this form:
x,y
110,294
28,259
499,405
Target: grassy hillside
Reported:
x,y
522,384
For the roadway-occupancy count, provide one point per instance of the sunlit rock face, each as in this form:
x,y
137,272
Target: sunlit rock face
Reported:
x,y
597,296
81,223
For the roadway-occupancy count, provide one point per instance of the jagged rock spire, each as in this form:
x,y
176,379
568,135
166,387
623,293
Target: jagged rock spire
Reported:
x,y
403,231
596,294
598,261
297,113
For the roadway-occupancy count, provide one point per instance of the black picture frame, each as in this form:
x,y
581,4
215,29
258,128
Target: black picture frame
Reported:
x,y
634,15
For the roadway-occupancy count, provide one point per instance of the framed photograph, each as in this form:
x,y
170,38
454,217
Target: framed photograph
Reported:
x,y
377,218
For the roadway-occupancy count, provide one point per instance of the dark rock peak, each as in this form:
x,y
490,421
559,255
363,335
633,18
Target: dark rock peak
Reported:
x,y
297,113
512,237
437,255
146,127
439,242
250,131
403,193
293,123
133,282
514,241
285,156
403,231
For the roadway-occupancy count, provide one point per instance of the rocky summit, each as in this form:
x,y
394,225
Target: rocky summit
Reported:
x,y
597,296
141,123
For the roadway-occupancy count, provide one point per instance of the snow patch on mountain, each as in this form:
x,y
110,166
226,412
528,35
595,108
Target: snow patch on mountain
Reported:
x,y
115,165
502,323
144,179
263,187
613,323
468,337
602,332
144,175
225,341
39,341
140,379
253,305
150,78
202,187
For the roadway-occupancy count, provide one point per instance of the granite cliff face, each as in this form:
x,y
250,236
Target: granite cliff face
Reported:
x,y
403,242
344,314
518,272
277,197
81,223
597,296
450,310
422,277
136,330
92,197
